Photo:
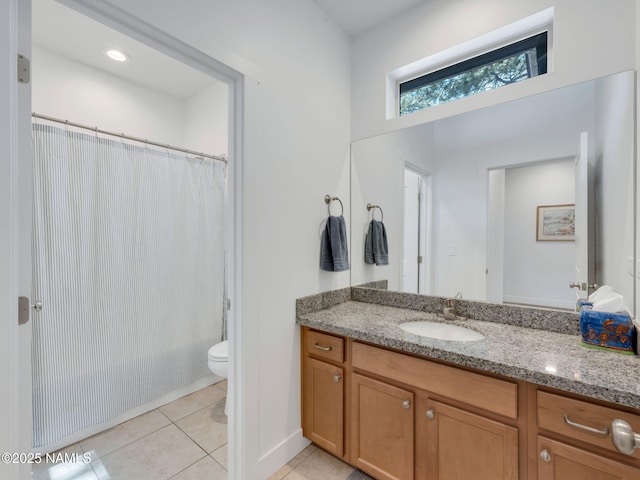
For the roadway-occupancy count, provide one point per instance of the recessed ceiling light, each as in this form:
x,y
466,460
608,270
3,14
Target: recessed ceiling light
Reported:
x,y
117,55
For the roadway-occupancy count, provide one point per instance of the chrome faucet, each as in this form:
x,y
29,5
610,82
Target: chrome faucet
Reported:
x,y
450,309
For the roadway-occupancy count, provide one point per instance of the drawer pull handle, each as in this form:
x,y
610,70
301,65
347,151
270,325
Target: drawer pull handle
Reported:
x,y
604,431
323,348
406,404
429,413
624,438
545,456
336,378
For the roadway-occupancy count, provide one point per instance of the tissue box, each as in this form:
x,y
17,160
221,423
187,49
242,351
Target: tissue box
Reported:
x,y
583,302
614,331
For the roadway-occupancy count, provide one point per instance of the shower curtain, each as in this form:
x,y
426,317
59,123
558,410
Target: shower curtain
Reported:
x,y
129,261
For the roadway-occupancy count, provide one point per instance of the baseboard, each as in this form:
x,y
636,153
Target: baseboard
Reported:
x,y
537,302
277,457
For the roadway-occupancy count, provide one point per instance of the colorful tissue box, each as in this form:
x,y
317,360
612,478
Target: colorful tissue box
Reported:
x,y
583,302
614,331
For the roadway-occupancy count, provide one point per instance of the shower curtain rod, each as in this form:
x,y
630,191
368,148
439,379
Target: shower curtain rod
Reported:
x,y
128,137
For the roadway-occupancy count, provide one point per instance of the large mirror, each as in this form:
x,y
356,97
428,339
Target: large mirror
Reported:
x,y
507,204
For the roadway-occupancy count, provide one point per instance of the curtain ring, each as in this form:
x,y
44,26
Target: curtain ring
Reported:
x,y
328,199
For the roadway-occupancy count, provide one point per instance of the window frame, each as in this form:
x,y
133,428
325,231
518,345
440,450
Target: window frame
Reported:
x,y
539,41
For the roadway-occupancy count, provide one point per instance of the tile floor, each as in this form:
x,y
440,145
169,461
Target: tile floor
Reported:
x,y
183,440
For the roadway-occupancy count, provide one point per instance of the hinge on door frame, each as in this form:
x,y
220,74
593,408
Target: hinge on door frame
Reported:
x,y
419,259
24,69
24,308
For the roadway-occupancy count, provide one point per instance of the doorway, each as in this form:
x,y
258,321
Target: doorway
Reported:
x,y
522,269
207,67
416,232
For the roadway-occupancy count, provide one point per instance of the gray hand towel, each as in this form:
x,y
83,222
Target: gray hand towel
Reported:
x,y
376,249
334,256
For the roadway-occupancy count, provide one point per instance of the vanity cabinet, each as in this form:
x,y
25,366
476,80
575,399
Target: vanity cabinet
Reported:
x,y
382,429
398,416
323,391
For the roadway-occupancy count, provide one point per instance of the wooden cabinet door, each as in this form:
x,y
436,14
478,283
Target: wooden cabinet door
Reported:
x,y
559,461
323,405
382,429
463,445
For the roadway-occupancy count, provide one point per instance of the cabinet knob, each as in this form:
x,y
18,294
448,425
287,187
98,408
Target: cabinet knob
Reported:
x,y
429,413
545,456
406,404
336,378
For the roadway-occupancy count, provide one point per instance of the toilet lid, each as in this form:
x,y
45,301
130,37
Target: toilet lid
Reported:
x,y
219,351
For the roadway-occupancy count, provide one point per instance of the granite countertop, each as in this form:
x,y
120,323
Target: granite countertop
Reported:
x,y
538,356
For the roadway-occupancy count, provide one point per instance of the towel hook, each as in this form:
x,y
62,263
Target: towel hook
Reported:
x,y
373,207
328,199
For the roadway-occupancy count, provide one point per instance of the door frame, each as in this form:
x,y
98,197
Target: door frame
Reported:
x,y
15,218
15,141
426,228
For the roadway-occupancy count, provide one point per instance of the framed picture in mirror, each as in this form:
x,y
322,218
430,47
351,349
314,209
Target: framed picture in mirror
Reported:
x,y
556,223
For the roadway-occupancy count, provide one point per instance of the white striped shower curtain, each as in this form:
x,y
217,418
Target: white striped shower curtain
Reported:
x,y
129,261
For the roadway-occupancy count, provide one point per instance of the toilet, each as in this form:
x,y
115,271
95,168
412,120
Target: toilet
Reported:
x,y
219,363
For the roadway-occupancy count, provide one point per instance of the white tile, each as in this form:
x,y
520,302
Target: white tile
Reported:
x,y
157,456
207,468
221,456
207,427
192,403
321,466
125,433
65,464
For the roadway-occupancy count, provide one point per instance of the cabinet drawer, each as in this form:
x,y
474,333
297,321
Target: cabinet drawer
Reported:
x,y
581,420
325,346
491,394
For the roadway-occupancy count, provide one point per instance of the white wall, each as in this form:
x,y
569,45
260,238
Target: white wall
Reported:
x,y
377,177
537,273
73,91
582,32
614,173
206,127
296,150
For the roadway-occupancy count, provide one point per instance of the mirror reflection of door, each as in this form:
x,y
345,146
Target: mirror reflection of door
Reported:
x,y
584,263
414,253
530,271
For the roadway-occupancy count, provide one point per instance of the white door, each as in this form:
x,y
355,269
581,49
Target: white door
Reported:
x,y
581,276
15,239
495,235
415,234
411,240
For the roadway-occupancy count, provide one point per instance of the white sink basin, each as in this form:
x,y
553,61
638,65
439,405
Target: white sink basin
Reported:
x,y
441,331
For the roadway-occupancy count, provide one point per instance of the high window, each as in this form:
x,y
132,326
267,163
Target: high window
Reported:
x,y
503,66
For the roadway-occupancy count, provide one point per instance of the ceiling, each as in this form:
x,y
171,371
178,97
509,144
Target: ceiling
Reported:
x,y
64,31
356,16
